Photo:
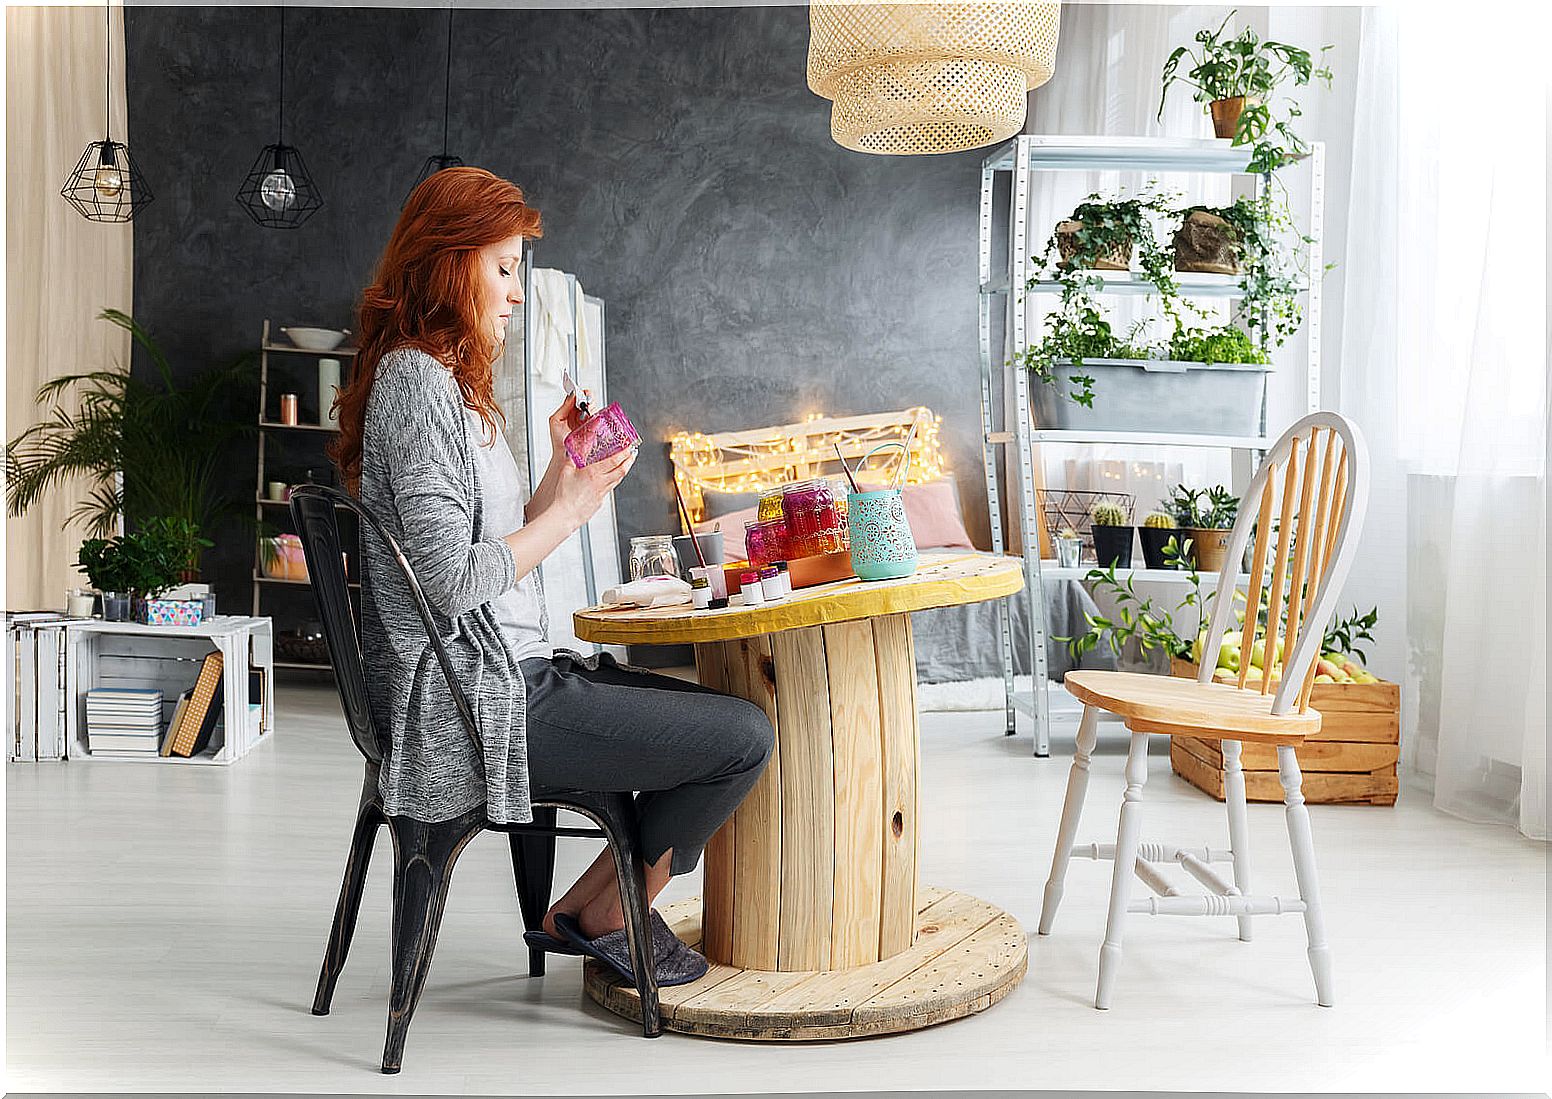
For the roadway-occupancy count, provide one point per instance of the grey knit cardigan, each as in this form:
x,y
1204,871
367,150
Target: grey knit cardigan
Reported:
x,y
418,476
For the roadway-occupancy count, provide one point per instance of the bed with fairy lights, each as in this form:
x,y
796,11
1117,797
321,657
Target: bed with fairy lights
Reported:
x,y
722,476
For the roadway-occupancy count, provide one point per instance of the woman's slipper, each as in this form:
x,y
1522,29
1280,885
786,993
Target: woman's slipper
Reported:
x,y
543,940
673,962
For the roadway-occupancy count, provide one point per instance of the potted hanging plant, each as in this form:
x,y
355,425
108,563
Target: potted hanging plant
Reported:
x,y
1101,235
1206,519
1158,527
1111,527
1237,77
1253,238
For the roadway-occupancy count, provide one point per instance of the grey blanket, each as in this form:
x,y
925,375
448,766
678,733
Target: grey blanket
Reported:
x,y
957,643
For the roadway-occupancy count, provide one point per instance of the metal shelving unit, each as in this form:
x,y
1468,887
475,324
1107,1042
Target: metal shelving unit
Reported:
x,y
1019,159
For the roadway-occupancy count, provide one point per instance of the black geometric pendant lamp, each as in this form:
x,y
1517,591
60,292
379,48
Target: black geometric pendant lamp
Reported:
x,y
434,164
278,192
106,184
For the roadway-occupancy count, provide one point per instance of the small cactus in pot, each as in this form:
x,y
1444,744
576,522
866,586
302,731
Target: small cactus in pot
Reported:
x,y
1112,532
1158,527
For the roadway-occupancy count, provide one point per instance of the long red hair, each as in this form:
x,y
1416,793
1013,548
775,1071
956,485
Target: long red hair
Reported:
x,y
425,295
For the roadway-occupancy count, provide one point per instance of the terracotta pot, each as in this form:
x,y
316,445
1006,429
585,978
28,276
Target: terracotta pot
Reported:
x,y
1208,547
1225,115
1118,258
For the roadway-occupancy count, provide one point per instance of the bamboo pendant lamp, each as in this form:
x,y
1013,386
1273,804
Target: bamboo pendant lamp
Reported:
x,y
908,79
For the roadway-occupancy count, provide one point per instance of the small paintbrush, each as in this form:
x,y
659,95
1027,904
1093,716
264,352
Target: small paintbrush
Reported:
x,y
688,526
905,456
847,468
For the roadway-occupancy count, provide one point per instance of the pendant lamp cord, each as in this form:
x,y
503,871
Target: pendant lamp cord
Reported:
x,y
282,139
107,80
447,86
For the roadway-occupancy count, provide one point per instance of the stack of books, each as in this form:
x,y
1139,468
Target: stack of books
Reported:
x,y
124,721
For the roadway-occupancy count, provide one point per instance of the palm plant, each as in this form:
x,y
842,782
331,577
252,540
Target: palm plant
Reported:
x,y
150,448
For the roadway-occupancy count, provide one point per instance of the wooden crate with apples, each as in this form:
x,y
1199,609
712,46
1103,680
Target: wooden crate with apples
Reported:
x,y
1351,760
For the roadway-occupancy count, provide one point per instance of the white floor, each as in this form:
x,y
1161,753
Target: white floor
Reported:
x,y
165,926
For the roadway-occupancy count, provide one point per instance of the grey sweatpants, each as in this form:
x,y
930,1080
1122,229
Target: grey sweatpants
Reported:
x,y
691,752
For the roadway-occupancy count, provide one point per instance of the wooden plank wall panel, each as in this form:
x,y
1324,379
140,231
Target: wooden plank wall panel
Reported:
x,y
757,822
718,860
808,799
897,712
859,792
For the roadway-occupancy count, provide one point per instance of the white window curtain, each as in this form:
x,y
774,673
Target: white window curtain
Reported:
x,y
1446,370
63,270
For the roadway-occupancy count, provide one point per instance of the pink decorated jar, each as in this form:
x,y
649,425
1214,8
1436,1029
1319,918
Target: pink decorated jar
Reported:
x,y
602,435
766,541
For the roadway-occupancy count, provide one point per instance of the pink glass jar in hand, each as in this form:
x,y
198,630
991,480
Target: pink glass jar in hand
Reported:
x,y
602,435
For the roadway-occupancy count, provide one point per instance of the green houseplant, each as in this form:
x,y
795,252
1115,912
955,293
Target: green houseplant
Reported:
x,y
1206,516
171,442
1110,525
1260,234
1237,76
138,566
1100,235
1158,527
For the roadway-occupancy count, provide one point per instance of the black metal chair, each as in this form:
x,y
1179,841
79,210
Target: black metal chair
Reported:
x,y
424,853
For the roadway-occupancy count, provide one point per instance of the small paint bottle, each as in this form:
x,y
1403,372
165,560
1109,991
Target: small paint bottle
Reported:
x,y
749,587
770,583
786,577
700,593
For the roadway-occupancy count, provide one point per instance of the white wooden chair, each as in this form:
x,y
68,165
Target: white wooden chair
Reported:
x,y
1321,466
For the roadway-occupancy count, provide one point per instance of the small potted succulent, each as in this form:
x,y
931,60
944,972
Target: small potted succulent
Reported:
x,y
1111,526
1069,548
1206,517
1158,527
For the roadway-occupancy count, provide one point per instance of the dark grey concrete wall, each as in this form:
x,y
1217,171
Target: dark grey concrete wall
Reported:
x,y
754,271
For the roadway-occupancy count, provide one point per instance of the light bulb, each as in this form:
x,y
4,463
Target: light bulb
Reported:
x,y
278,191
108,181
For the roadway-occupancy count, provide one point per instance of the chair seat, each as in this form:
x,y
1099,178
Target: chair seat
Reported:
x,y
1172,705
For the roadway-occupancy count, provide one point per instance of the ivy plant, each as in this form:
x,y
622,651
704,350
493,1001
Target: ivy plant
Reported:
x,y
1271,275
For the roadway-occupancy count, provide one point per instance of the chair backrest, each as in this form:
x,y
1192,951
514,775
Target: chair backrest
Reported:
x,y
315,509
1315,481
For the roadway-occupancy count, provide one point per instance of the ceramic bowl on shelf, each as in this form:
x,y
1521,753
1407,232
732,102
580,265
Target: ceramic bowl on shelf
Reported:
x,y
316,339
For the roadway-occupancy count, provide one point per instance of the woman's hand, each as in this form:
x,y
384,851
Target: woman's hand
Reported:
x,y
579,493
563,421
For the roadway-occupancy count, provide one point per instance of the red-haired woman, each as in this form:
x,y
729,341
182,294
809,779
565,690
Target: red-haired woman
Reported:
x,y
420,446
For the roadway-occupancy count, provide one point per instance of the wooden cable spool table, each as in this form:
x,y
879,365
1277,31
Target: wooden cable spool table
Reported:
x,y
811,914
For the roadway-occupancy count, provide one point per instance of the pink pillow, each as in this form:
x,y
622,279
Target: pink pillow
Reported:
x,y
932,510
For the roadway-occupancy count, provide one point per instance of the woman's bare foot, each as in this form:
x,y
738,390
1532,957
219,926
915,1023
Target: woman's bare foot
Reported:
x,y
594,900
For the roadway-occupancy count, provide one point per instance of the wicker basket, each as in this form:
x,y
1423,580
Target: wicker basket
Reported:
x,y
912,79
1118,257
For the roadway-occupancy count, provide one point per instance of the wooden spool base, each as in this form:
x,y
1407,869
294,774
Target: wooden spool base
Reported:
x,y
968,955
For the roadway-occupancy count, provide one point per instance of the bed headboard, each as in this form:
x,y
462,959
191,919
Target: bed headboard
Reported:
x,y
764,457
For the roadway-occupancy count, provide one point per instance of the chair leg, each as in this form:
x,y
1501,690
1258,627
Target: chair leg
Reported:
x,y
424,856
1304,871
1072,813
638,929
533,868
344,929
1128,834
1239,827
